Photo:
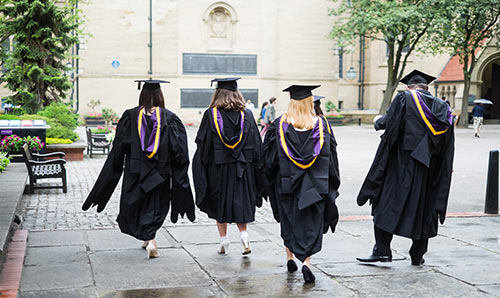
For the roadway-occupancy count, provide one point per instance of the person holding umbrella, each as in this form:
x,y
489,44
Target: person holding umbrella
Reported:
x,y
478,114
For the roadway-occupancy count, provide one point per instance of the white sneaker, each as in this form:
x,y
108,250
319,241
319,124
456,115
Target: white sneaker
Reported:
x,y
246,245
223,248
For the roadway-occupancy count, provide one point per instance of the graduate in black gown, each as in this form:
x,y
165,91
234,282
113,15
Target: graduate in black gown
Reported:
x,y
226,173
150,146
409,181
302,169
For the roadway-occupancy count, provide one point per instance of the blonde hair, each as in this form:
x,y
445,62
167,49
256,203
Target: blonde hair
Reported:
x,y
302,113
228,100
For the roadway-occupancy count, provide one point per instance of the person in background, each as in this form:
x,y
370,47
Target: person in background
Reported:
x,y
249,105
262,113
269,116
301,166
151,148
226,165
478,116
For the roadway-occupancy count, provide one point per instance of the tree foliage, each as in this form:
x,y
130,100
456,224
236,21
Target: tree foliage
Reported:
x,y
406,26
42,33
473,24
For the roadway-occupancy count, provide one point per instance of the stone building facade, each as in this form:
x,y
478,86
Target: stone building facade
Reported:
x,y
270,44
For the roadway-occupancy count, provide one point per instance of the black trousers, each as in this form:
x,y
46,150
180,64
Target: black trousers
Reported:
x,y
383,245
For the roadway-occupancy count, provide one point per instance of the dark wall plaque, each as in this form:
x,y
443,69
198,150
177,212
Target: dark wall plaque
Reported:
x,y
201,98
233,64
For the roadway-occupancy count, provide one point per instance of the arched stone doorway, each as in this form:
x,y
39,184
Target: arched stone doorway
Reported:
x,y
489,76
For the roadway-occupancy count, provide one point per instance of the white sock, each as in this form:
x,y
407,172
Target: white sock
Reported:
x,y
243,234
223,239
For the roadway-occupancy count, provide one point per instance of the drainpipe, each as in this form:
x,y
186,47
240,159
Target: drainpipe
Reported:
x,y
150,45
77,70
361,81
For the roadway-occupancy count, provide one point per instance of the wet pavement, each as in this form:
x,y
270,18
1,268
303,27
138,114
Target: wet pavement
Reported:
x,y
72,253
462,261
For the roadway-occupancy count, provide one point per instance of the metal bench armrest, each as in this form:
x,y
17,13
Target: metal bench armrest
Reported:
x,y
47,162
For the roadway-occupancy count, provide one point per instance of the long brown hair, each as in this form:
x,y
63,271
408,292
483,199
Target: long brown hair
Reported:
x,y
228,100
150,99
301,111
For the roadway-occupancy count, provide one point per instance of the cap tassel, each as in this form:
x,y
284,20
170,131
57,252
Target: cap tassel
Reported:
x,y
138,85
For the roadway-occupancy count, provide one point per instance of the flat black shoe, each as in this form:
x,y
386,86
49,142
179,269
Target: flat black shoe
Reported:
x,y
307,274
291,266
374,258
417,263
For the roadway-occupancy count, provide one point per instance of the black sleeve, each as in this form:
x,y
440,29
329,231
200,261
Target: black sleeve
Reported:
x,y
393,123
182,196
258,162
271,167
200,160
112,169
445,171
331,214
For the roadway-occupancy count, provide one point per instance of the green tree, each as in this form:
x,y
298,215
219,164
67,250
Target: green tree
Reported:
x,y
473,24
406,26
42,35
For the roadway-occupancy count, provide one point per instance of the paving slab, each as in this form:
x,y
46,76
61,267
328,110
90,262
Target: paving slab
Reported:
x,y
211,291
491,289
130,269
208,234
55,238
55,255
422,285
355,269
73,293
266,258
283,285
67,276
113,239
480,231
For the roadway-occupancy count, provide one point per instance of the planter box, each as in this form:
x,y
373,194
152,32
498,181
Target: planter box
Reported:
x,y
74,152
335,121
24,131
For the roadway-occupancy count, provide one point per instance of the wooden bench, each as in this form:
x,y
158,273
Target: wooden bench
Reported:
x,y
96,141
44,169
352,120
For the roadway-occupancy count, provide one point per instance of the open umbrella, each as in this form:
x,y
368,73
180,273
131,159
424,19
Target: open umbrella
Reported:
x,y
483,101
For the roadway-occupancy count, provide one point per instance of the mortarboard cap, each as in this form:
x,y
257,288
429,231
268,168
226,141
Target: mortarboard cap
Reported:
x,y
226,83
299,92
150,85
417,77
318,98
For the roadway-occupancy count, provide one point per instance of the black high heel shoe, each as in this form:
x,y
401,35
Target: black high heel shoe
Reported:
x,y
307,274
291,266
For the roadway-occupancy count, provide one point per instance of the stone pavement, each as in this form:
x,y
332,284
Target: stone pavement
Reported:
x,y
462,261
72,253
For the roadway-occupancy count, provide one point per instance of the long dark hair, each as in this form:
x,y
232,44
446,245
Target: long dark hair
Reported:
x,y
227,100
317,109
149,99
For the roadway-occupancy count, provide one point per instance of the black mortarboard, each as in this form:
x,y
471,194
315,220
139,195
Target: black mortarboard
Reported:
x,y
318,98
299,92
150,85
417,77
226,83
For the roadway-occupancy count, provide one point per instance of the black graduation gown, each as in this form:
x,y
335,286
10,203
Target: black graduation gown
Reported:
x,y
228,182
409,181
150,186
302,200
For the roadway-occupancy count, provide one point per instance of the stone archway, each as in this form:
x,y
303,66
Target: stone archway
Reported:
x,y
488,74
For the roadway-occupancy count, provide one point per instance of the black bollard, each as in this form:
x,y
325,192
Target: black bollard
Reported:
x,y
491,203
